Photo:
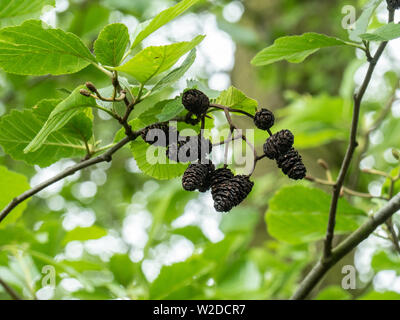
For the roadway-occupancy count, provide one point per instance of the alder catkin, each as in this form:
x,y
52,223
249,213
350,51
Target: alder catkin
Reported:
x,y
195,101
231,192
264,119
292,164
278,144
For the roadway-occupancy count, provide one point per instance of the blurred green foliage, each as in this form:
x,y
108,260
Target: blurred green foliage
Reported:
x,y
184,249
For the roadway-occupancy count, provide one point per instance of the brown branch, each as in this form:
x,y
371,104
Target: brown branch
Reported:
x,y
351,147
351,242
105,157
13,294
345,189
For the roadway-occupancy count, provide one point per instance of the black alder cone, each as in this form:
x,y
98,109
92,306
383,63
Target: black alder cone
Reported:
x,y
197,176
278,144
156,139
195,101
207,181
264,119
393,4
231,193
194,148
221,175
292,164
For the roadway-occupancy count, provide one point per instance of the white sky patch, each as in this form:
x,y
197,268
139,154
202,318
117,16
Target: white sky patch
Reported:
x,y
55,203
219,81
71,284
367,162
78,217
106,246
73,250
233,11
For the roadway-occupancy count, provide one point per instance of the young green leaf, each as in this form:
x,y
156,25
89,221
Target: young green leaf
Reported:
x,y
298,214
333,293
362,22
60,116
163,18
155,60
153,161
19,128
176,74
234,98
83,234
176,276
111,44
171,109
385,33
385,261
13,12
34,48
295,49
12,184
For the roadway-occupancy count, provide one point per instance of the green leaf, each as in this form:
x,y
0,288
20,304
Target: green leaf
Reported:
x,y
12,184
161,19
13,12
176,276
242,277
111,44
385,261
387,295
385,33
83,234
34,48
176,74
333,293
123,268
19,128
171,109
295,49
239,220
314,120
234,98
152,161
193,233
299,214
60,116
155,60
362,22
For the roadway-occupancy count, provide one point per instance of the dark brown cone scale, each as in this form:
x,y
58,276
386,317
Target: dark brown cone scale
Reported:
x,y
220,176
157,126
230,192
193,145
197,176
393,4
264,119
195,101
206,185
292,164
278,144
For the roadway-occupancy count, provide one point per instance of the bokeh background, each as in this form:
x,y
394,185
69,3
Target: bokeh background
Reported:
x,y
111,232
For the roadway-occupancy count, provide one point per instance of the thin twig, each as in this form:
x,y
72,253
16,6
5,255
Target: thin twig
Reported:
x,y
365,141
351,147
345,189
105,157
221,107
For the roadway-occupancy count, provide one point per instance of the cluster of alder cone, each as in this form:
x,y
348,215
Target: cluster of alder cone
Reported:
x,y
228,190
